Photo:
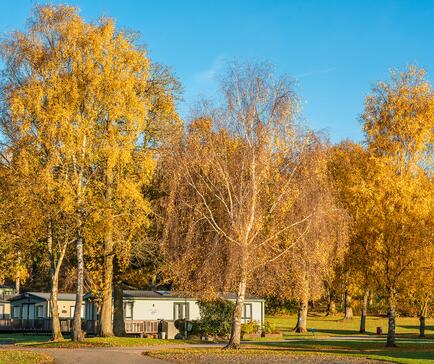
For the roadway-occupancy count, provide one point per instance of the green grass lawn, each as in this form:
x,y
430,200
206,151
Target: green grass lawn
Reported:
x,y
44,341
408,351
23,357
334,325
248,356
328,341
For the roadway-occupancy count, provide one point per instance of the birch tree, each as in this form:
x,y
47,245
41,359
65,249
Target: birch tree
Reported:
x,y
350,166
313,260
399,128
88,94
231,189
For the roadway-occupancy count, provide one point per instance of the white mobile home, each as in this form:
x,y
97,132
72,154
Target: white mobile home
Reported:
x,y
36,306
6,293
171,306
5,308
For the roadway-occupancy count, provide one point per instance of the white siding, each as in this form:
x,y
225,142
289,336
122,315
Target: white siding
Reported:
x,y
256,311
164,309
161,309
5,310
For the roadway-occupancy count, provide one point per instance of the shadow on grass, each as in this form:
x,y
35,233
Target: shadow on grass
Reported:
x,y
336,332
416,327
18,338
360,348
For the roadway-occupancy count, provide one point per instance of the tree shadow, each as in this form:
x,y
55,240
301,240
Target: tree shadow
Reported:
x,y
375,350
337,331
416,327
13,338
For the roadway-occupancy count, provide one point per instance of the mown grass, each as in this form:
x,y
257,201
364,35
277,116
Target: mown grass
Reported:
x,y
408,351
336,326
23,357
44,341
246,356
346,351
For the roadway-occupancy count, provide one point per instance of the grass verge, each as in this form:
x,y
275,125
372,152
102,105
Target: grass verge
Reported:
x,y
410,351
102,342
251,355
23,357
44,341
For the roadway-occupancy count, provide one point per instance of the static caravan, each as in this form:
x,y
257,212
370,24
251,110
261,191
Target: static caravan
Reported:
x,y
171,306
6,290
5,308
6,293
36,306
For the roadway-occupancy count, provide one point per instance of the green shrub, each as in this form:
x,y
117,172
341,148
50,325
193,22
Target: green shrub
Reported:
x,y
269,328
216,317
251,327
181,325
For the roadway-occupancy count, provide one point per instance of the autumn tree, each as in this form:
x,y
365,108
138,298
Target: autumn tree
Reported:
x,y
18,231
399,126
350,165
313,260
42,211
420,285
231,188
84,93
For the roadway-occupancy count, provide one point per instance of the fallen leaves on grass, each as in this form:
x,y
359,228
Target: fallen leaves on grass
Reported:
x,y
24,357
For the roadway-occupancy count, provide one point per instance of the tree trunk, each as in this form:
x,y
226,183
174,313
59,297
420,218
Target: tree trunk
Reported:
x,y
56,332
364,312
423,313
331,304
422,326
348,308
106,325
17,284
301,325
391,337
118,312
18,275
235,339
331,308
77,333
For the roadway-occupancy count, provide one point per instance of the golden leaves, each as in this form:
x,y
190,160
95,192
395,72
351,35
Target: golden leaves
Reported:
x,y
82,102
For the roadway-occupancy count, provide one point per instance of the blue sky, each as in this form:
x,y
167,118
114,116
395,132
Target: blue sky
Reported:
x,y
335,49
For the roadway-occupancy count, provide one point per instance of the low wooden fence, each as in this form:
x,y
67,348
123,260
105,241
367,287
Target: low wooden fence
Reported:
x,y
131,327
141,327
89,326
37,325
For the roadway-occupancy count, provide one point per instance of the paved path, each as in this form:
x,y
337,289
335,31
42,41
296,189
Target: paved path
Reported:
x,y
101,356
106,355
134,355
120,355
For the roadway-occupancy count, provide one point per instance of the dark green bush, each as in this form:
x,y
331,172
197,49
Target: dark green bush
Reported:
x,y
216,317
181,326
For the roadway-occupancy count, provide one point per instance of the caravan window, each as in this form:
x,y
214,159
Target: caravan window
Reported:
x,y
72,310
247,313
40,312
128,310
181,310
16,312
28,311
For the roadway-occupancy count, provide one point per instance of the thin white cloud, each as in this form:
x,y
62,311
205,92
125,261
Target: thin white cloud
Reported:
x,y
210,74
